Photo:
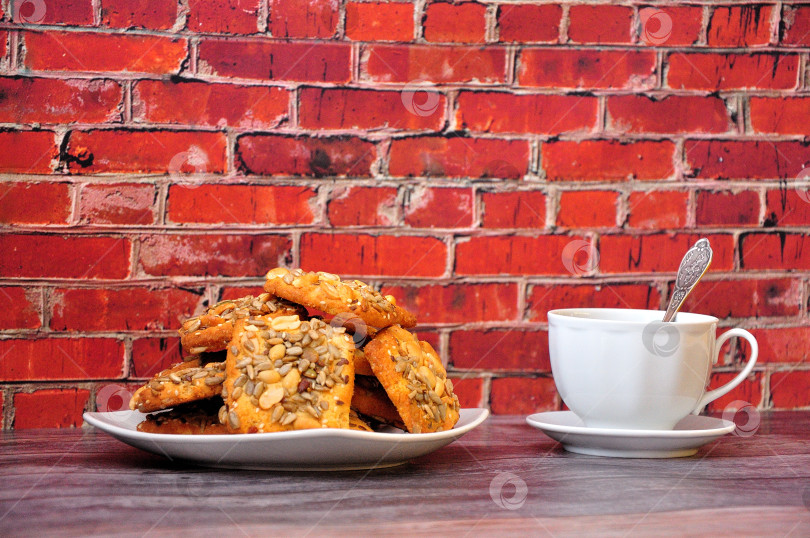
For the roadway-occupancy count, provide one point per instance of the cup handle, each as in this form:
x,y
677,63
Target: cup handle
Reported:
x,y
716,393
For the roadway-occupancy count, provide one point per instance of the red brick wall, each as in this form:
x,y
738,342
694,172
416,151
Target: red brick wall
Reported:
x,y
485,161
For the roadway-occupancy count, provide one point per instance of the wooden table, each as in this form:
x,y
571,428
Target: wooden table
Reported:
x,y
80,482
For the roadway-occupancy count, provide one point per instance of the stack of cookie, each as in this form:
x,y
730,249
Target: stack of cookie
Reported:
x,y
264,364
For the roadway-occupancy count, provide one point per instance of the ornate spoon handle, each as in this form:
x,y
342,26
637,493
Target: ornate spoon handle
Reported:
x,y
693,265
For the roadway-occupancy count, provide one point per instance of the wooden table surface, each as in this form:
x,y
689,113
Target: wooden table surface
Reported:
x,y
79,482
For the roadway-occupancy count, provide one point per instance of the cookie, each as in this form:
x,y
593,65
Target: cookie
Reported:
x,y
328,293
182,383
197,418
361,365
287,374
414,379
371,400
357,423
213,330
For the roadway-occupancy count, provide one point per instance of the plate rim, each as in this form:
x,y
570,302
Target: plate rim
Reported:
x,y
93,418
533,421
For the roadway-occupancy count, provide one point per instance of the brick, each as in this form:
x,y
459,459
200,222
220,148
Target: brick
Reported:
x,y
378,21
470,391
310,19
586,209
61,358
458,303
790,390
672,114
656,210
363,206
34,203
660,253
235,292
714,72
224,16
117,203
458,157
305,156
275,60
519,209
783,115
126,151
795,28
439,208
500,349
511,255
3,46
201,103
69,256
763,298
408,63
44,100
341,108
523,396
726,208
50,408
19,307
66,12
33,152
670,26
244,204
154,15
455,23
750,390
782,345
527,23
371,255
586,69
127,309
86,51
212,254
739,26
727,159
776,250
542,298
600,24
607,160
151,355
547,114
789,207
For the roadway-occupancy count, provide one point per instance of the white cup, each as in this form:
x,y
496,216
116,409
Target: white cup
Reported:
x,y
623,368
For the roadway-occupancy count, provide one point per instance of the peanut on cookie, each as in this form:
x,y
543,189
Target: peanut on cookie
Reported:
x,y
182,383
415,380
328,293
287,374
213,330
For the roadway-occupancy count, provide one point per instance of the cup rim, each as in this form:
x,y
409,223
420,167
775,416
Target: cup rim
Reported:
x,y
567,314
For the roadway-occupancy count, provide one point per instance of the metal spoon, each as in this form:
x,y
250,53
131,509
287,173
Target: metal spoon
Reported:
x,y
693,265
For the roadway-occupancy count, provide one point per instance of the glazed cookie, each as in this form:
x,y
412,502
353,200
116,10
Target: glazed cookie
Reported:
x,y
415,380
371,400
328,293
287,374
213,330
197,418
182,383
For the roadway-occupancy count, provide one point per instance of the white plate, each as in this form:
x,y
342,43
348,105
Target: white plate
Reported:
x,y
689,434
326,449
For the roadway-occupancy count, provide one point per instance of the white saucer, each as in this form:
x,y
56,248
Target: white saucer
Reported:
x,y
689,434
